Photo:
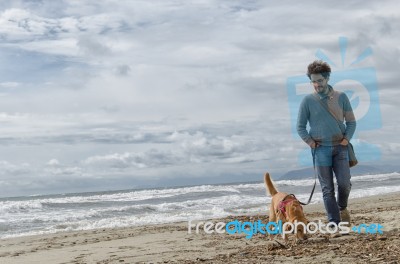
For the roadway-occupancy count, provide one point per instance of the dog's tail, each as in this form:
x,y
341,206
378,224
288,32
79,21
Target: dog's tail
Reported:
x,y
269,184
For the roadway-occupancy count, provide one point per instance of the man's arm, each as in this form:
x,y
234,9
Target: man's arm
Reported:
x,y
349,118
302,119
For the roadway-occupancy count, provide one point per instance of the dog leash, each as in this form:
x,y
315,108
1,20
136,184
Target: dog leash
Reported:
x,y
315,178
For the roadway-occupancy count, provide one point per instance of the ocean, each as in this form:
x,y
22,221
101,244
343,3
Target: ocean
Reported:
x,y
24,216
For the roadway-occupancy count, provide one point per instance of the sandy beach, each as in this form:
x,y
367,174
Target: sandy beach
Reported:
x,y
171,243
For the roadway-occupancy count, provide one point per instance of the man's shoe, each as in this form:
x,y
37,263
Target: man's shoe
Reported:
x,y
333,232
345,216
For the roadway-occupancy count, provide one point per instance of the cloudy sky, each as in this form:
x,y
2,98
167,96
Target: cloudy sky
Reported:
x,y
113,94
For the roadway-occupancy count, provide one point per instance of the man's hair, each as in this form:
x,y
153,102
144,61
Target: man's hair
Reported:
x,y
319,67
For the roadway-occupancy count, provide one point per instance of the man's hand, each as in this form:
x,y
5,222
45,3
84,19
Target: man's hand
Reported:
x,y
314,144
344,142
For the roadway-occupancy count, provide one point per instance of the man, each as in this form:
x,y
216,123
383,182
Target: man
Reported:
x,y
326,110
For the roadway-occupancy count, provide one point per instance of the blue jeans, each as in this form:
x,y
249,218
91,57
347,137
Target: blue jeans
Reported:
x,y
329,160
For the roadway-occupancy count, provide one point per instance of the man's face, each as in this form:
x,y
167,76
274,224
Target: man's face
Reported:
x,y
319,82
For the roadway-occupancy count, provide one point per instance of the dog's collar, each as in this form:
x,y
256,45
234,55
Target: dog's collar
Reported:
x,y
288,199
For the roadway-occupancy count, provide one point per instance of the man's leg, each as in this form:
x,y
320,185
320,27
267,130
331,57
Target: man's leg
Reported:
x,y
323,159
342,173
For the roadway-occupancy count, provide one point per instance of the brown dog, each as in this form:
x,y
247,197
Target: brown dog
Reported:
x,y
285,207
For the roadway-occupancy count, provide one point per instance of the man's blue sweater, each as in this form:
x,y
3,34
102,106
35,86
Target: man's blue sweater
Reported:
x,y
324,129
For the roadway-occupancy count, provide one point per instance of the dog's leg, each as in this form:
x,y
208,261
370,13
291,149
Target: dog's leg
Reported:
x,y
272,218
281,217
284,235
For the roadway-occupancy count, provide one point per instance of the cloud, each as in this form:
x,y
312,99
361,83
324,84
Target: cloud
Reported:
x,y
93,47
152,158
9,170
185,149
62,171
123,70
9,84
203,148
53,163
164,88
